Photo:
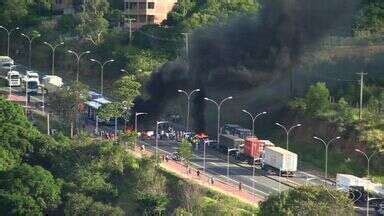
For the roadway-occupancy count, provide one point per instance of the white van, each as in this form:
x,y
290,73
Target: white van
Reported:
x,y
5,60
31,82
6,63
13,78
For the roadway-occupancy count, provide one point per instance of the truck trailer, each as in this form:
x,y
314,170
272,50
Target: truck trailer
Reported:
x,y
280,160
253,149
230,142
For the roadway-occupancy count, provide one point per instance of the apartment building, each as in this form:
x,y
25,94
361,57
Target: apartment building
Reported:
x,y
147,11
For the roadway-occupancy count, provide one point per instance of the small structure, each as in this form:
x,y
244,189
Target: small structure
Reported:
x,y
97,100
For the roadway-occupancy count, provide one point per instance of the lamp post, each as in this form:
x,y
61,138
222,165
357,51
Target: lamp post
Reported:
x,y
204,155
78,57
43,99
287,131
188,103
156,137
253,118
30,40
53,48
368,161
136,115
102,71
229,150
218,114
326,144
9,32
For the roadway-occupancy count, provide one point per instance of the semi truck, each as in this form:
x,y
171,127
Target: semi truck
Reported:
x,y
279,160
345,182
229,129
253,149
229,142
52,83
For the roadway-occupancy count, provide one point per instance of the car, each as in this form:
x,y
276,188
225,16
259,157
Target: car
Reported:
x,y
7,66
176,156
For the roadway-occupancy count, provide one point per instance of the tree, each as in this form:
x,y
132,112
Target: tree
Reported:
x,y
185,150
370,20
92,22
317,99
127,89
110,110
34,182
308,200
22,11
17,204
79,204
68,102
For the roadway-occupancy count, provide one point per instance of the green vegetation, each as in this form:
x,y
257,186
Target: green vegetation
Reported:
x,y
41,175
308,200
185,150
365,134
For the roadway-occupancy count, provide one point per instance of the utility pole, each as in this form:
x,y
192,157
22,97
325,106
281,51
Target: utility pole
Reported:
x,y
361,93
130,28
186,45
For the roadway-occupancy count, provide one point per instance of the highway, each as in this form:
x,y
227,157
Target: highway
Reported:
x,y
217,166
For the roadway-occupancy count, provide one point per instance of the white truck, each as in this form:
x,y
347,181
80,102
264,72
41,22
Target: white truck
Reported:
x,y
345,181
13,78
31,82
52,83
280,160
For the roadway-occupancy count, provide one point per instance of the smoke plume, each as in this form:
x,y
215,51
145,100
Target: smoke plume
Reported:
x,y
248,51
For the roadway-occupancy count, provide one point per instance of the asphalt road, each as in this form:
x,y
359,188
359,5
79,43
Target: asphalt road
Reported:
x,y
263,186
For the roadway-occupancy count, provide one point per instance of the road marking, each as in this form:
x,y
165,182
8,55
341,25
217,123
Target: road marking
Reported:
x,y
215,173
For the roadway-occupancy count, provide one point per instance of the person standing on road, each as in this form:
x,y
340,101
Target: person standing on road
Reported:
x,y
240,185
212,181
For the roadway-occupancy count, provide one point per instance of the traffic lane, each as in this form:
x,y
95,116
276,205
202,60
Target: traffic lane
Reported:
x,y
237,173
267,186
213,168
217,168
300,178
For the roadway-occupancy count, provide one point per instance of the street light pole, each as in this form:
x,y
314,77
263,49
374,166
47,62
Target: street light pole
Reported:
x,y
229,150
78,57
42,91
188,103
368,160
53,48
253,118
156,138
136,115
9,32
287,131
30,40
326,151
218,114
102,71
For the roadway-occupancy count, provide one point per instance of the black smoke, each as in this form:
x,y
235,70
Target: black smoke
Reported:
x,y
248,50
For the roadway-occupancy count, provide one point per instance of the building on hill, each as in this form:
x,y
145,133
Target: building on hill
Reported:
x,y
147,11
